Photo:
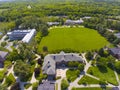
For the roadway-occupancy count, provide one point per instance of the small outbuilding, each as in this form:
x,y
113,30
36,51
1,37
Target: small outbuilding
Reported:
x,y
3,56
46,85
115,52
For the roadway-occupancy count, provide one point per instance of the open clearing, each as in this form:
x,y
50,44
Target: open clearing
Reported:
x,y
74,38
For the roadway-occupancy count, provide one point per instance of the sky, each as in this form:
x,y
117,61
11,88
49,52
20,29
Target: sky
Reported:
x,y
5,0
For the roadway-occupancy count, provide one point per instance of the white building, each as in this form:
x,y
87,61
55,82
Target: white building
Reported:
x,y
29,36
24,35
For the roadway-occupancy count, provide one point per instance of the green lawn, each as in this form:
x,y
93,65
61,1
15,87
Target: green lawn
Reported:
x,y
74,38
27,85
10,80
1,10
56,86
88,80
94,88
2,75
106,74
72,74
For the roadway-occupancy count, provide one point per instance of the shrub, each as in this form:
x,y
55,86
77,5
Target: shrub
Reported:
x,y
89,55
2,73
27,86
73,64
40,61
15,86
37,72
45,49
59,77
83,81
64,84
91,72
81,67
6,38
102,82
7,64
3,44
35,85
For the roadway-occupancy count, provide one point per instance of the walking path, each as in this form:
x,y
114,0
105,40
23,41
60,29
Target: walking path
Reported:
x,y
9,71
33,79
92,76
2,39
59,83
75,83
117,78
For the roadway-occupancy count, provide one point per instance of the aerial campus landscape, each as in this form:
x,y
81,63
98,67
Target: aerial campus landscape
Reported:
x,y
59,44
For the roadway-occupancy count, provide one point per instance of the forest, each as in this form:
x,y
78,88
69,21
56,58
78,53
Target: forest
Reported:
x,y
24,15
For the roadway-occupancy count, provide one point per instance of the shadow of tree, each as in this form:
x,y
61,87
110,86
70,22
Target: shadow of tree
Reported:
x,y
102,69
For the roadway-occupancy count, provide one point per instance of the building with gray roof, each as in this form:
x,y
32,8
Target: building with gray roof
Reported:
x,y
73,22
46,85
53,23
2,58
24,35
51,61
117,35
115,52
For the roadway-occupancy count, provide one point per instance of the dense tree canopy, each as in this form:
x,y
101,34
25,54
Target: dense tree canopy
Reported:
x,y
22,70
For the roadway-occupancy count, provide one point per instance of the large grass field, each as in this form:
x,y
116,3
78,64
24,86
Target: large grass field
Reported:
x,y
74,38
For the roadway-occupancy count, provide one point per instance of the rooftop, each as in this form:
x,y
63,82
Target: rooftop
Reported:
x,y
3,55
117,35
115,50
46,85
49,65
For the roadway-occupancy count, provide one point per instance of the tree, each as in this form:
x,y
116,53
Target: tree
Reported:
x,y
89,55
37,71
101,52
44,30
81,67
117,66
15,86
3,44
102,61
73,64
10,79
3,87
116,41
13,56
45,49
22,70
64,84
25,52
40,61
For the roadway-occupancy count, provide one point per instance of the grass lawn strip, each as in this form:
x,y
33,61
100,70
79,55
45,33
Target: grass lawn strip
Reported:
x,y
72,74
108,75
88,80
93,88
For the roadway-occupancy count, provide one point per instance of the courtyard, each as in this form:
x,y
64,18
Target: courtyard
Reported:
x,y
61,72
